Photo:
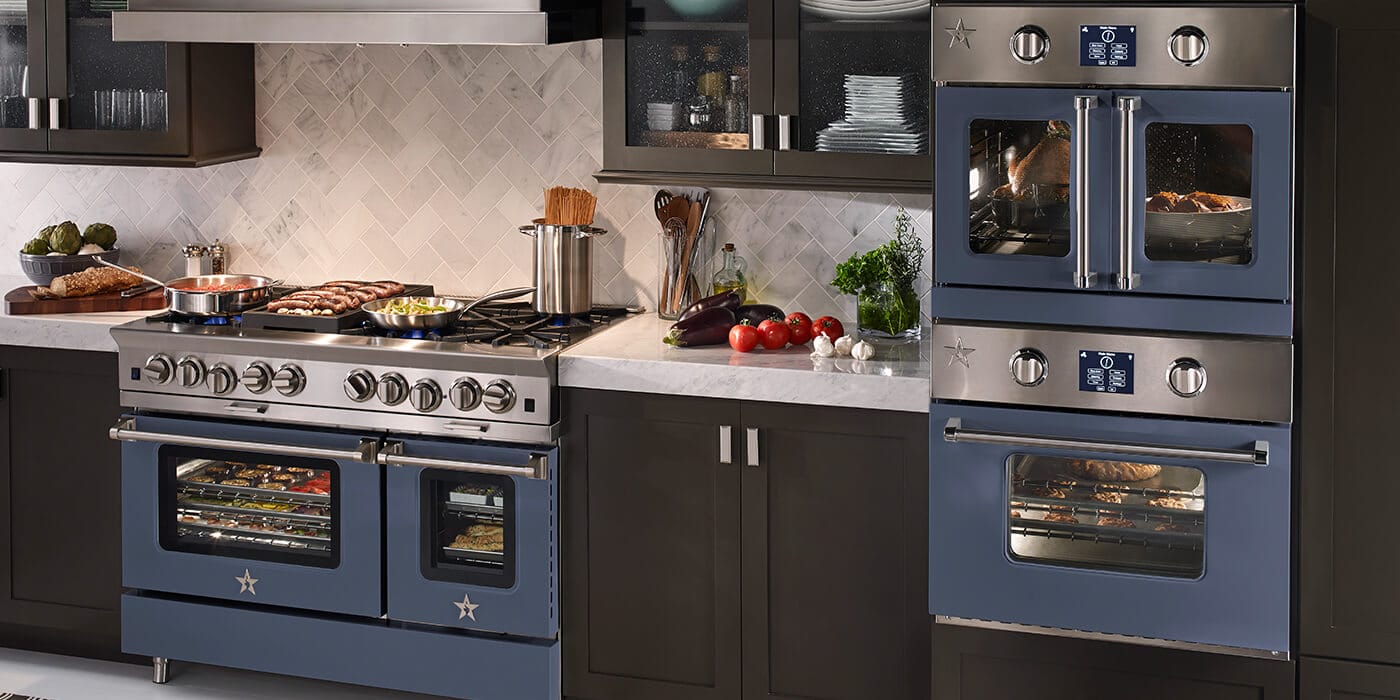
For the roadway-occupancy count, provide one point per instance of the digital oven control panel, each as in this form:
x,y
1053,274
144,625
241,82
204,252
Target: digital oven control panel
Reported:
x,y
1106,372
1108,45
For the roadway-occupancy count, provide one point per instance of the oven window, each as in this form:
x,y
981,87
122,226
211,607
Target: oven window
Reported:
x,y
250,506
1018,187
1199,179
470,528
1101,514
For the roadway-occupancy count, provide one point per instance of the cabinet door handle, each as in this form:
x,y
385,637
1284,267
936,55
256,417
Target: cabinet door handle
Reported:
x,y
751,447
1084,277
1127,143
756,132
726,444
785,132
36,116
55,112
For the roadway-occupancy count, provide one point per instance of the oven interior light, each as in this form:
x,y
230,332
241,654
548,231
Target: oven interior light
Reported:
x,y
974,183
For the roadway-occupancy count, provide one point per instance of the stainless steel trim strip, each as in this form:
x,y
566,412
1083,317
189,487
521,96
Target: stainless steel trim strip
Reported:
x,y
1127,145
726,444
751,447
36,117
332,27
392,456
1257,455
125,431
785,132
1108,637
1084,278
55,112
756,132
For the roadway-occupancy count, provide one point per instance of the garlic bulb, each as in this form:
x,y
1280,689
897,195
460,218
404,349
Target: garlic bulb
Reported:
x,y
863,351
823,347
844,345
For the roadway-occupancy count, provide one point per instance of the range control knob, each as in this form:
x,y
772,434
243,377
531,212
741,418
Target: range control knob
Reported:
x,y
465,394
190,370
360,385
1029,367
159,369
221,379
1030,44
289,380
1186,378
425,396
257,378
1188,45
393,389
498,397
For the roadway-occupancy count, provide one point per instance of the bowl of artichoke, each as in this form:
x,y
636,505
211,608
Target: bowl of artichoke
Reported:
x,y
62,249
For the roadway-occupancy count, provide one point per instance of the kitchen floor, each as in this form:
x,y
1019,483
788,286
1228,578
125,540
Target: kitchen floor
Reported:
x,y
54,677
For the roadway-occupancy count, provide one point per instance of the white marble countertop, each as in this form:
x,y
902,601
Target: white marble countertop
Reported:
x,y
631,357
63,331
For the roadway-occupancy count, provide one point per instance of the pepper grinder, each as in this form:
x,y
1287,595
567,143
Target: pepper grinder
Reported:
x,y
218,258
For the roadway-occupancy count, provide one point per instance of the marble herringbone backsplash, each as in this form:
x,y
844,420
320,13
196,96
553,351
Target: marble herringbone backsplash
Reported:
x,y
418,163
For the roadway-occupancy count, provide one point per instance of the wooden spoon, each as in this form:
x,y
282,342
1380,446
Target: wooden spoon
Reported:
x,y
692,231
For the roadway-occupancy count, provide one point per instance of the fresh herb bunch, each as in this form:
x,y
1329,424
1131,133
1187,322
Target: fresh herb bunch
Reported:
x,y
894,266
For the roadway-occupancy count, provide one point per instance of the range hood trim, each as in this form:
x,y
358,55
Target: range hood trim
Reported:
x,y
327,27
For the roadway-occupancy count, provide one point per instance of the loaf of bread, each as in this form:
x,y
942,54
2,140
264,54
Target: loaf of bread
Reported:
x,y
1113,471
94,280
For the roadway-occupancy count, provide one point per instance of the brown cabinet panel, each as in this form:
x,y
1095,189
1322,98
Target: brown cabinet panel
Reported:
x,y
1326,679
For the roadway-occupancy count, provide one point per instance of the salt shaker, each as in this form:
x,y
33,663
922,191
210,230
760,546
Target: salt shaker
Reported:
x,y
196,260
218,258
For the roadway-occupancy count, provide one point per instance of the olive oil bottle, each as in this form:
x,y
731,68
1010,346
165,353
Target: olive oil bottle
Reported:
x,y
732,274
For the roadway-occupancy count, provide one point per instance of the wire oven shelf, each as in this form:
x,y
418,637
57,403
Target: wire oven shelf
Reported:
x,y
266,539
1108,535
1069,483
250,493
474,555
474,510
231,510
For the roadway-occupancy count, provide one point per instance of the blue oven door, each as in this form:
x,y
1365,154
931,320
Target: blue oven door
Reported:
x,y
251,513
1008,216
1209,176
471,536
1157,528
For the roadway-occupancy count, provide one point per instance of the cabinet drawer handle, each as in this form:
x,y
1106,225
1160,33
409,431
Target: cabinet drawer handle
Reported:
x,y
785,132
55,112
726,444
36,117
756,132
751,447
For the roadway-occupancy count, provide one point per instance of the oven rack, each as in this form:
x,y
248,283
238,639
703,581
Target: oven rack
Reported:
x,y
474,555
245,523
1153,514
266,539
1071,483
307,518
250,493
1108,535
474,510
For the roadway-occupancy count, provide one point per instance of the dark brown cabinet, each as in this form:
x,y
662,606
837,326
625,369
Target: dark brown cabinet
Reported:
x,y
724,549
70,94
60,488
980,664
1348,605
1325,679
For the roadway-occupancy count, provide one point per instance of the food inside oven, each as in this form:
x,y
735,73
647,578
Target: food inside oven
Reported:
x,y
1019,187
257,506
1198,206
471,526
1106,514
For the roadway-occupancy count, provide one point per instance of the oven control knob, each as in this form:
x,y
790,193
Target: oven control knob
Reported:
x,y
159,369
360,385
190,371
221,379
1029,367
289,380
1030,44
498,397
1186,378
392,389
1188,46
465,394
257,378
425,396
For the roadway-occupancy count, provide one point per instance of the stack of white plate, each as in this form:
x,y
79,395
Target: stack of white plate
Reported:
x,y
663,116
867,9
883,115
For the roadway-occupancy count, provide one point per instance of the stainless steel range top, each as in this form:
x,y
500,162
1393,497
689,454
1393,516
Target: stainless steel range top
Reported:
x,y
491,377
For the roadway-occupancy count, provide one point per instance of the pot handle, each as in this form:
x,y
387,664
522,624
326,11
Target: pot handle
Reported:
x,y
581,232
529,230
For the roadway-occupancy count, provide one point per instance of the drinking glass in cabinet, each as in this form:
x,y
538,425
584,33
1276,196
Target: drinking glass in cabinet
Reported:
x,y
132,72
14,65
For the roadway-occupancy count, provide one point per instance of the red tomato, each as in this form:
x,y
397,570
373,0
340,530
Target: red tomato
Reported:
x,y
743,337
801,326
773,334
829,327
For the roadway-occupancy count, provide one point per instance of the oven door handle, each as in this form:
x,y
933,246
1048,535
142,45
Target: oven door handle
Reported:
x,y
1127,144
392,456
125,431
1084,278
1257,454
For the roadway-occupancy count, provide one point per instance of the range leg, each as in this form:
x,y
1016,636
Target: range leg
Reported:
x,y
160,667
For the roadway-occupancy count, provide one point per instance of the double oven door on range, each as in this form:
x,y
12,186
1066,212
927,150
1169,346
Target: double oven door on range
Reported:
x,y
446,533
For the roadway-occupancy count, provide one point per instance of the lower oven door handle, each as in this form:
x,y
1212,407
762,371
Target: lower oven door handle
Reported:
x,y
392,456
125,431
1257,455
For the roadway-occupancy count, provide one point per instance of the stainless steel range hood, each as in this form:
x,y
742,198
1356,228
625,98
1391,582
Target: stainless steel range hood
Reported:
x,y
358,21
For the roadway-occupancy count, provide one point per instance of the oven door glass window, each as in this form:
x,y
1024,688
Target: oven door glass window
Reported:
x,y
1018,187
250,506
1198,193
470,528
1100,514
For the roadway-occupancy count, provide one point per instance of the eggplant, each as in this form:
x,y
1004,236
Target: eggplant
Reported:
x,y
758,313
708,327
728,300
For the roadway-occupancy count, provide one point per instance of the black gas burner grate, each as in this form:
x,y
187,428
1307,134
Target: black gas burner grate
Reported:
x,y
188,320
509,324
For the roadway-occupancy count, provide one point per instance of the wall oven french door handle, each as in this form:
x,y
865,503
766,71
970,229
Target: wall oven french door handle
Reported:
x,y
125,431
392,456
1127,144
1084,278
1258,454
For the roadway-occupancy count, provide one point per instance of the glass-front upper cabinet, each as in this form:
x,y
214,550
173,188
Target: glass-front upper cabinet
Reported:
x,y
21,67
856,88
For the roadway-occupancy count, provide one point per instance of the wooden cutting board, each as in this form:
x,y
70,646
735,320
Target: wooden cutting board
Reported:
x,y
21,301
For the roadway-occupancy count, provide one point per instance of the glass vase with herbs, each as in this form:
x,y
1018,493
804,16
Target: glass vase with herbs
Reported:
x,y
887,305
